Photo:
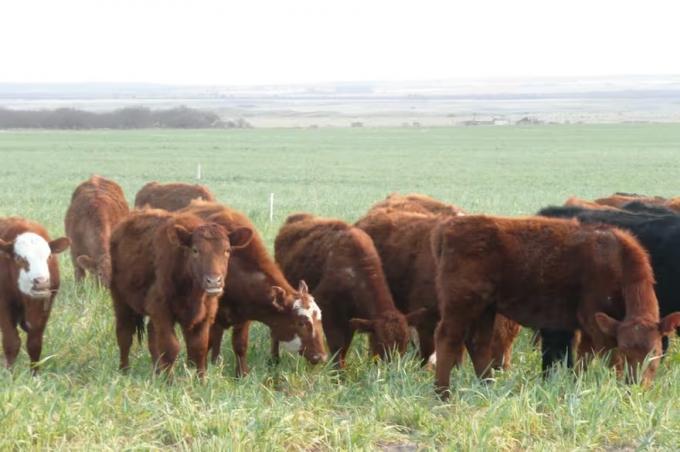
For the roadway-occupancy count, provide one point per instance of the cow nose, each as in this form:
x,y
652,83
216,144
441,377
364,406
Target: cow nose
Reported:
x,y
318,358
213,281
41,283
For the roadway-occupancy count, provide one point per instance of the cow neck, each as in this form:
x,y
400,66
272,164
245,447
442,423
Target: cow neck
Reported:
x,y
249,289
372,292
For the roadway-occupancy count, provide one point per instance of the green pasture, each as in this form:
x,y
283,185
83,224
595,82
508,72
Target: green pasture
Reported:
x,y
80,400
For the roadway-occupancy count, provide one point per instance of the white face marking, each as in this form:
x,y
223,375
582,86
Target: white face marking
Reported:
x,y
35,251
432,361
292,346
313,312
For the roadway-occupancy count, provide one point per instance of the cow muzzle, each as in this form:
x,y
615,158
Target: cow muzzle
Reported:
x,y
41,287
213,284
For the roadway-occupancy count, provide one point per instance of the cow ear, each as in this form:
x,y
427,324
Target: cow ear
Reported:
x,y
669,323
302,288
363,325
607,325
183,235
414,318
240,238
86,262
6,248
279,298
59,245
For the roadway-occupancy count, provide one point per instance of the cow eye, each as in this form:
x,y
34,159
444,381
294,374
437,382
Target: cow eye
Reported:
x,y
194,250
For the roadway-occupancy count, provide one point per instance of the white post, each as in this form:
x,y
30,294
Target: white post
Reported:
x,y
271,207
198,172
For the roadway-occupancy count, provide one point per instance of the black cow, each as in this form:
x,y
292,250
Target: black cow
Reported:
x,y
658,234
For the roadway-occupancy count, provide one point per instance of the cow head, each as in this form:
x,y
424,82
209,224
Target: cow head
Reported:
x,y
389,331
637,339
100,267
301,331
209,247
31,253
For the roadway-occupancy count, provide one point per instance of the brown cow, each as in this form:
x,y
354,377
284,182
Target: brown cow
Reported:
x,y
621,199
29,281
402,241
578,202
416,203
97,206
342,267
171,267
257,290
171,197
544,273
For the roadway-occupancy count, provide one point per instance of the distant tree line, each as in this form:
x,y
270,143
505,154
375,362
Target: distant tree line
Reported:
x,y
124,118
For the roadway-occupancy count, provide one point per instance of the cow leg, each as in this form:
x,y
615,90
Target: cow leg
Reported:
x,y
426,343
34,343
215,341
479,343
166,341
275,352
556,345
153,345
196,341
449,346
339,340
505,332
10,339
126,321
239,343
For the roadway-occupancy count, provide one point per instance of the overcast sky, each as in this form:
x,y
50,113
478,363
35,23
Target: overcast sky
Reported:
x,y
287,41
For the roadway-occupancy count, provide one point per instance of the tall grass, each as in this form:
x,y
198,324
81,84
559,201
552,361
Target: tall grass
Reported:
x,y
80,400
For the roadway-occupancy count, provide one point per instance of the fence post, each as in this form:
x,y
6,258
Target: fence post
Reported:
x,y
271,207
198,172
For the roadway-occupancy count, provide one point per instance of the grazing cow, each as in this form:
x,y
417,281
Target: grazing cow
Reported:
x,y
622,199
578,202
171,197
29,281
659,235
257,290
402,241
342,267
544,273
97,206
171,267
416,203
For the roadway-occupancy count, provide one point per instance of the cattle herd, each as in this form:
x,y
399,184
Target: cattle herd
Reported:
x,y
590,277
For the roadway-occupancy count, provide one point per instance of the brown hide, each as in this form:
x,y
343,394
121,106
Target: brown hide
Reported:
x,y
343,270
542,273
578,202
620,200
16,307
402,241
257,290
171,197
97,206
172,268
416,203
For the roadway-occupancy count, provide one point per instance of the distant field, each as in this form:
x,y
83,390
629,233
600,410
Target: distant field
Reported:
x,y
81,401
